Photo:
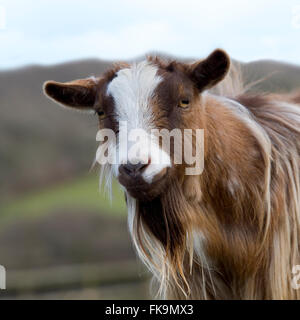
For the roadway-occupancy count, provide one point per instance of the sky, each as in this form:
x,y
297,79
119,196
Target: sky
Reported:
x,y
54,31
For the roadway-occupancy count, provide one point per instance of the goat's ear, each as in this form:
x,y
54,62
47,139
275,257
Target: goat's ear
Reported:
x,y
208,72
78,94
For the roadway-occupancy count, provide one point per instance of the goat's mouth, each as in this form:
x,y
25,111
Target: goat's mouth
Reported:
x,y
142,190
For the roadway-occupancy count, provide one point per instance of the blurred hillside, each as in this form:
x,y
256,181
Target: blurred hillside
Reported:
x,y
40,142
280,77
54,223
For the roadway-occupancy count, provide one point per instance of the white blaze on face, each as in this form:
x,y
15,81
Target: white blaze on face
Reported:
x,y
132,90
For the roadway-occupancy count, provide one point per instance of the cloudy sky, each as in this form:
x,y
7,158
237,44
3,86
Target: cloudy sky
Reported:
x,y
53,31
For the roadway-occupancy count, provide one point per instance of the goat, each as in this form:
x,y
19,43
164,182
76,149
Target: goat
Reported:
x,y
231,232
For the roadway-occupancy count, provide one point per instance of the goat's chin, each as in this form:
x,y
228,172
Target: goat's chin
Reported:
x,y
143,195
145,191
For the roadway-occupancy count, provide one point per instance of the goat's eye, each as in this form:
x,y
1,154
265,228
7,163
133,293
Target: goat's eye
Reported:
x,y
184,103
101,114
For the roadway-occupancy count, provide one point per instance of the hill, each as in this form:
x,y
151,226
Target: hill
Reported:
x,y
40,142
280,77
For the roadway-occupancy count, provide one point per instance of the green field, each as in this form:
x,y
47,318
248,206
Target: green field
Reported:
x,y
80,193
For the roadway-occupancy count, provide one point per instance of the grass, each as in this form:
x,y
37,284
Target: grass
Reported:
x,y
80,193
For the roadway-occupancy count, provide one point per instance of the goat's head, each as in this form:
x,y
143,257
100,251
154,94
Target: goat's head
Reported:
x,y
145,96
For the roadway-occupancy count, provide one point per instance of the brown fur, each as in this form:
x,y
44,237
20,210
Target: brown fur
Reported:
x,y
251,229
232,232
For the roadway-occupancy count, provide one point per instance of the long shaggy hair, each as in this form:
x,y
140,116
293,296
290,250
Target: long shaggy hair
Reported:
x,y
233,232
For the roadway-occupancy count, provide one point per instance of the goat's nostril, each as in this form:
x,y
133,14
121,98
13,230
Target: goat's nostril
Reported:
x,y
133,169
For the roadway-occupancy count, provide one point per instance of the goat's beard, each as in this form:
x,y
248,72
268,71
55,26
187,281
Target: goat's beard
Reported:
x,y
159,232
163,216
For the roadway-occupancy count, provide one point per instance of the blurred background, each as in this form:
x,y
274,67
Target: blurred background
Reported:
x,y
60,236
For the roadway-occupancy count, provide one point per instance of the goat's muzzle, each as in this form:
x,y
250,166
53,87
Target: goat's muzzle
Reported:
x,y
131,177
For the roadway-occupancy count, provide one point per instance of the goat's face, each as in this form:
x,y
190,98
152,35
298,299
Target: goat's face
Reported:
x,y
142,104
